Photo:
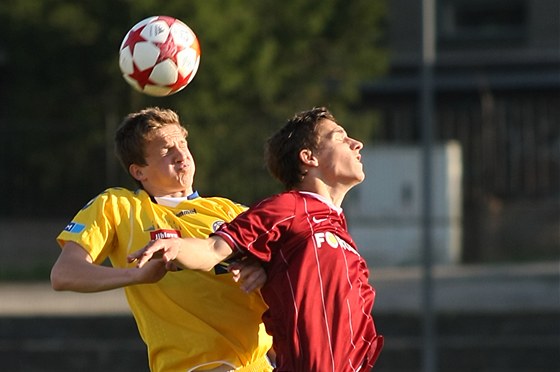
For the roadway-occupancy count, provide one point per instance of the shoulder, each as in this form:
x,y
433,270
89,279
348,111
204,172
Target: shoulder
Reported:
x,y
220,201
218,204
122,192
118,195
283,204
292,200
286,198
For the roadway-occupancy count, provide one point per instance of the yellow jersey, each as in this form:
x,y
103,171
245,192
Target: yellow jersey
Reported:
x,y
189,319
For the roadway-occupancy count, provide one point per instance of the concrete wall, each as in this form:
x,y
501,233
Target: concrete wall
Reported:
x,y
385,211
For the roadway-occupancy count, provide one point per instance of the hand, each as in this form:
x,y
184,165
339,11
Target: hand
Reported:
x,y
164,249
152,272
249,272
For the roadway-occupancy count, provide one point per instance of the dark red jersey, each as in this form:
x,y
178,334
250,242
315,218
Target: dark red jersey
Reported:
x,y
318,293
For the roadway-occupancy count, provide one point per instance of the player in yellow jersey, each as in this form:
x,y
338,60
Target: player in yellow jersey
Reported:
x,y
189,320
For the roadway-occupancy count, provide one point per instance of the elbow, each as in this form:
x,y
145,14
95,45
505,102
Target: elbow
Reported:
x,y
57,281
56,284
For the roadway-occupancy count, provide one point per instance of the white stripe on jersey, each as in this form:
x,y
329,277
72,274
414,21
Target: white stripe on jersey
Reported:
x,y
320,274
296,310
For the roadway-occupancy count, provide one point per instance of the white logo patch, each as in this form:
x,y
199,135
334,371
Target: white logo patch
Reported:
x,y
332,240
318,220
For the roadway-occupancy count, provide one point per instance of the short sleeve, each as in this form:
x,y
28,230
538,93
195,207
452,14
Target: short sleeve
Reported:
x,y
260,229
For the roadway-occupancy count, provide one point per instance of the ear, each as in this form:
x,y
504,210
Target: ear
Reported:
x,y
307,158
137,172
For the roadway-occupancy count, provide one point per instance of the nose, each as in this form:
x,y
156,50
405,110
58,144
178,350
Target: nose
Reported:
x,y
357,145
181,154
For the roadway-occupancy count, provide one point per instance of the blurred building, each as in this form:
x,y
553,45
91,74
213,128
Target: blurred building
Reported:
x,y
497,93
385,211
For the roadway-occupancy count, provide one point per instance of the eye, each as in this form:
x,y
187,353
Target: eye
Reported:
x,y
339,137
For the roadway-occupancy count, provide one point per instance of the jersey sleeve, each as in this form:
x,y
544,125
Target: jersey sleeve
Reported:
x,y
259,229
92,227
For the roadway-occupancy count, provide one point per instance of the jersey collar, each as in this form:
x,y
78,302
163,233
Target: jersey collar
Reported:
x,y
323,199
173,201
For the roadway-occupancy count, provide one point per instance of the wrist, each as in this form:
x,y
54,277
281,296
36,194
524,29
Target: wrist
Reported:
x,y
134,276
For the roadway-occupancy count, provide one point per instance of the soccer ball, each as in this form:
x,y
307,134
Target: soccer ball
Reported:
x,y
159,56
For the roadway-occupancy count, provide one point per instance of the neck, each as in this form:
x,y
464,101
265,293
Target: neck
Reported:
x,y
335,193
167,194
179,194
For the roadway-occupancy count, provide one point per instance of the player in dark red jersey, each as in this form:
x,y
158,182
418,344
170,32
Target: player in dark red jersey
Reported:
x,y
318,294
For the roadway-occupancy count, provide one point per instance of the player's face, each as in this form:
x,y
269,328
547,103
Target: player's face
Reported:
x,y
339,155
170,166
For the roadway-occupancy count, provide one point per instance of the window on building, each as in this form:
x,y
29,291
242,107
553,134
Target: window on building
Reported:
x,y
479,22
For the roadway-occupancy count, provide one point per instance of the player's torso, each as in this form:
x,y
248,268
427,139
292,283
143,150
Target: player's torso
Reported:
x,y
194,218
189,317
318,271
317,240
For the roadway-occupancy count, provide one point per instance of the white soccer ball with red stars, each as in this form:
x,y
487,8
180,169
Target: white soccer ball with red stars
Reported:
x,y
159,56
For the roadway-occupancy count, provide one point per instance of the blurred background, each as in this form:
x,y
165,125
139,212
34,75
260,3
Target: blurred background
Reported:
x,y
495,222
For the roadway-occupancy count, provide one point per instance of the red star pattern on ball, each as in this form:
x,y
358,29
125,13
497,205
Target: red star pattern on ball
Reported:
x,y
166,19
168,50
141,77
180,83
133,38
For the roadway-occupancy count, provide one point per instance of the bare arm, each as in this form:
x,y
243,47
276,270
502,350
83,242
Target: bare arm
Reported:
x,y
188,253
75,271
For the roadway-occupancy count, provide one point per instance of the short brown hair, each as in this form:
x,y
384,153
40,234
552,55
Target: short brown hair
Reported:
x,y
137,129
283,148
